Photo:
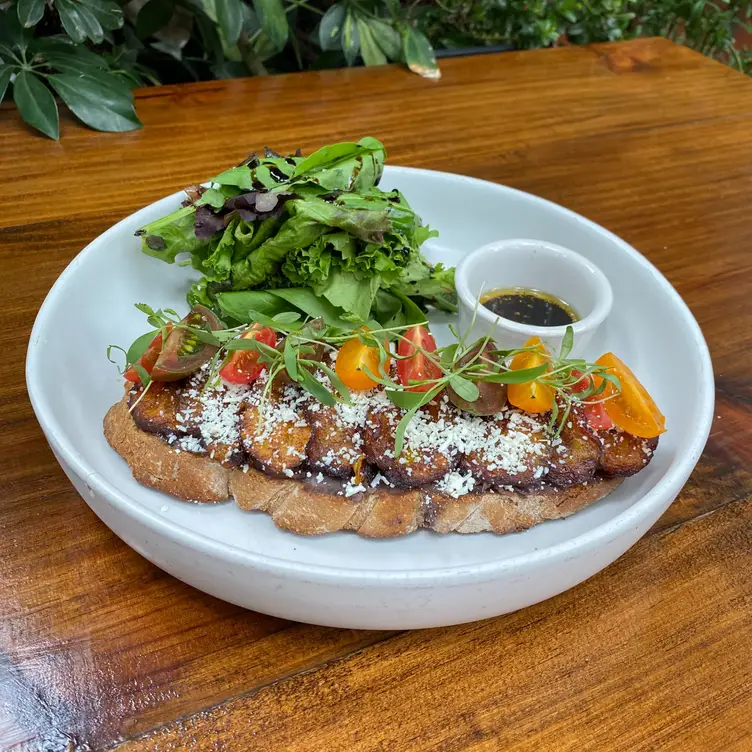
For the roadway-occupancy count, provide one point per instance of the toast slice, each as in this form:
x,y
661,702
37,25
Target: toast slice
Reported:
x,y
300,507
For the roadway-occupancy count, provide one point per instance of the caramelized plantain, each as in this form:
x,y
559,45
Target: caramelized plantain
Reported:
x,y
156,410
277,438
495,471
576,458
334,448
623,454
414,467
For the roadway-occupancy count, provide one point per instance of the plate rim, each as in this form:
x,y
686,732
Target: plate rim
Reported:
x,y
667,487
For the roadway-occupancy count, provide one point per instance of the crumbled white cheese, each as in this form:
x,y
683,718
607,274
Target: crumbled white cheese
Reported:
x,y
456,484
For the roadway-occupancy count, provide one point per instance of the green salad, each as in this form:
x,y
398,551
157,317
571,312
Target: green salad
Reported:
x,y
311,234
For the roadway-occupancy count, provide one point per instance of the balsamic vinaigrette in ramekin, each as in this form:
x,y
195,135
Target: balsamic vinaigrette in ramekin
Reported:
x,y
527,306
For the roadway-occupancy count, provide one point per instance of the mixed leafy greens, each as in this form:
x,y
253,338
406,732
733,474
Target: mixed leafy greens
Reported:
x,y
314,235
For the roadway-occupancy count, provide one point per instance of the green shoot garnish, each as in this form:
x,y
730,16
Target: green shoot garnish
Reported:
x,y
463,366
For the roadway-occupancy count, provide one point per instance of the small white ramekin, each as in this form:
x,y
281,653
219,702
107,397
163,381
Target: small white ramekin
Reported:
x,y
538,265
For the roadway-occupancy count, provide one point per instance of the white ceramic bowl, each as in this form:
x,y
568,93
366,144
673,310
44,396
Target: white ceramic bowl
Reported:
x,y
421,580
531,264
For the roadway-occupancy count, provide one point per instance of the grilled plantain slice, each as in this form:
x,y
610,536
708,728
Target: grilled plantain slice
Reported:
x,y
334,448
576,458
415,466
274,431
623,454
157,410
516,451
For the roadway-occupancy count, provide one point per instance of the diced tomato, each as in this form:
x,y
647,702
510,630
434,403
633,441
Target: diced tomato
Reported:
x,y
597,416
582,384
243,366
413,364
531,396
632,409
353,359
148,359
595,412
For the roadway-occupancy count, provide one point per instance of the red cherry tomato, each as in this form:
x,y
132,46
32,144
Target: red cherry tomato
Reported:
x,y
413,364
582,384
243,366
148,359
595,412
596,416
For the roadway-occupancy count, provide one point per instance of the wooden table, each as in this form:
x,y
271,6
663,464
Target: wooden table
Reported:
x,y
100,647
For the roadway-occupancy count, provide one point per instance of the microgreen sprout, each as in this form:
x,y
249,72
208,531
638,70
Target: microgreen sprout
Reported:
x,y
300,358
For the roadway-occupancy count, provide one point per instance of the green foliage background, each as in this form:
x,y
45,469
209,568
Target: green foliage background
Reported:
x,y
91,53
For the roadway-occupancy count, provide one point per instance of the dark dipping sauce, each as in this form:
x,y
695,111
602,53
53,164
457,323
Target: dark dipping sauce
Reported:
x,y
527,306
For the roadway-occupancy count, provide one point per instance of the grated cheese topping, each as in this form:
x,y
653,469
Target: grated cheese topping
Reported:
x,y
508,441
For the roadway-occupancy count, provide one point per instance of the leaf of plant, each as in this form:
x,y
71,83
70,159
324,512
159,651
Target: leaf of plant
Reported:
x,y
387,37
405,400
273,20
94,104
337,382
566,343
369,50
107,12
77,17
36,104
350,38
5,74
399,434
465,388
413,314
291,360
316,388
318,308
153,16
419,54
71,20
142,374
138,348
286,317
238,304
117,86
517,377
330,28
230,18
30,12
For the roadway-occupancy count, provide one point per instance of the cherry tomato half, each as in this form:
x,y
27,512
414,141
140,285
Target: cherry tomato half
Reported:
x,y
415,366
531,396
148,359
595,412
243,366
632,409
597,416
183,352
352,360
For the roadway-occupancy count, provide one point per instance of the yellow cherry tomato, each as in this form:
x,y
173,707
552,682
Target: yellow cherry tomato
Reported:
x,y
352,360
632,409
531,396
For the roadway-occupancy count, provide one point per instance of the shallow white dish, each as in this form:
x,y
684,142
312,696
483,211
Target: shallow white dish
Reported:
x,y
421,580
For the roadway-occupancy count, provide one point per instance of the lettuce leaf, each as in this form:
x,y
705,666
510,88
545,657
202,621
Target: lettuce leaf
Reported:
x,y
317,224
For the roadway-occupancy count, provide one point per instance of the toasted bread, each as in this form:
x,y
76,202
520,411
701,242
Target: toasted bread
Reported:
x,y
297,506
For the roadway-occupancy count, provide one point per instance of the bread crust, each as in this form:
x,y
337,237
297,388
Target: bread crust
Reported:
x,y
296,506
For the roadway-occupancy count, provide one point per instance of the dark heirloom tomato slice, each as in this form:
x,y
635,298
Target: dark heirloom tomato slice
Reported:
x,y
183,352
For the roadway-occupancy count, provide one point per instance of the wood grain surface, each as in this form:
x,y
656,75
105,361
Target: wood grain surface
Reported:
x,y
98,648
